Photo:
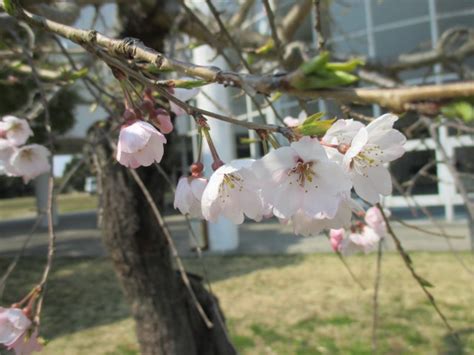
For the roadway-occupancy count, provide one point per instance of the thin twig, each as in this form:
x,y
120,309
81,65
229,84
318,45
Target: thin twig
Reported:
x,y
51,231
18,256
421,281
174,251
426,231
349,270
226,33
274,30
375,314
318,25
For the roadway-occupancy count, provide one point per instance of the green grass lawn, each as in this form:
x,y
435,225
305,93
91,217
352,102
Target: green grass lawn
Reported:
x,y
274,305
26,206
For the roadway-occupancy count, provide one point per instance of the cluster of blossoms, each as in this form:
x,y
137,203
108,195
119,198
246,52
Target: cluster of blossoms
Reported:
x,y
141,142
363,236
307,183
17,159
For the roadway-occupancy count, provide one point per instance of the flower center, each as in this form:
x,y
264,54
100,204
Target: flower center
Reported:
x,y
230,182
304,172
16,126
27,154
367,158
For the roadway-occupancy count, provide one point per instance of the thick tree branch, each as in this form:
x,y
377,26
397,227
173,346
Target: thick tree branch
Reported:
x,y
398,100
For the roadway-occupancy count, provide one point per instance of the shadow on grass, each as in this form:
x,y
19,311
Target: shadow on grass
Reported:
x,y
81,293
84,292
457,346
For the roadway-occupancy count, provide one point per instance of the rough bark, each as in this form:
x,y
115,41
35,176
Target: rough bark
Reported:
x,y
166,319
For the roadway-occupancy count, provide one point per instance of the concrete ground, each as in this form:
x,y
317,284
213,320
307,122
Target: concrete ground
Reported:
x,y
78,235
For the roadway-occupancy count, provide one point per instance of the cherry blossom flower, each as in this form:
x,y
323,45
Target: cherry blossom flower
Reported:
x,y
363,237
342,131
366,150
233,190
310,226
363,241
375,220
140,144
295,122
6,151
29,161
302,178
371,147
15,130
336,236
182,95
13,324
187,198
27,343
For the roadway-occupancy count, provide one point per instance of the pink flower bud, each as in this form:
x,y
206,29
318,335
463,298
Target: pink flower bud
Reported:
x,y
140,144
129,115
147,105
164,121
336,236
196,169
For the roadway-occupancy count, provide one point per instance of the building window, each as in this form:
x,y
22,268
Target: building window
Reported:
x,y
465,166
416,172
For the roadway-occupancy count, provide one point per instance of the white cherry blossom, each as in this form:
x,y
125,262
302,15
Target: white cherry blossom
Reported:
x,y
233,190
336,236
295,122
6,151
310,226
187,198
374,219
342,131
140,144
302,178
364,240
27,343
13,324
29,161
15,130
371,147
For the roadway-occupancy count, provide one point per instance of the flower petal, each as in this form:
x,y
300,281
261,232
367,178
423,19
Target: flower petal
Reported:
x,y
309,149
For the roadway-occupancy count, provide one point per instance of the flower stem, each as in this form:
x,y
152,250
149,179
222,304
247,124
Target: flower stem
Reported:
x,y
199,156
273,141
212,147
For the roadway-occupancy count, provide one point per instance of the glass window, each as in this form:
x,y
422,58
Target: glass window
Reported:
x,y
243,148
409,165
390,43
351,46
453,5
410,126
456,21
465,165
386,11
346,17
237,102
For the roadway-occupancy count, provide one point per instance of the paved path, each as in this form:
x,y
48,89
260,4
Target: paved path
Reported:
x,y
78,235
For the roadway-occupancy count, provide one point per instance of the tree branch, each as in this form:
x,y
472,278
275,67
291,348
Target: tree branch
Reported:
x,y
397,100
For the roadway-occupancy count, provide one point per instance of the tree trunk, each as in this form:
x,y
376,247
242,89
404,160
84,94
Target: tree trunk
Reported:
x,y
167,321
